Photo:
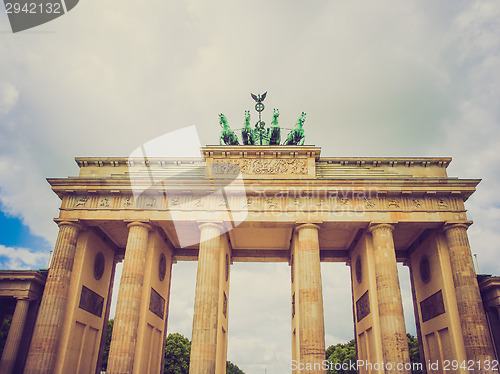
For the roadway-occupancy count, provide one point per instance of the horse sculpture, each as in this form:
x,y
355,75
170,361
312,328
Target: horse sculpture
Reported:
x,y
296,136
246,131
227,135
274,130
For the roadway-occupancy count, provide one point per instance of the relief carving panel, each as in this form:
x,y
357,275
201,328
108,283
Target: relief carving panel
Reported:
x,y
260,166
363,306
156,303
432,307
91,302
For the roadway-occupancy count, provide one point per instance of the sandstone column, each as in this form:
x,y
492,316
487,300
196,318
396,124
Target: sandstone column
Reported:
x,y
204,341
478,345
11,347
310,300
48,326
390,305
128,308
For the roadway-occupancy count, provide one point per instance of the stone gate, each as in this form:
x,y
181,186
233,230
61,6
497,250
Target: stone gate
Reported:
x,y
259,203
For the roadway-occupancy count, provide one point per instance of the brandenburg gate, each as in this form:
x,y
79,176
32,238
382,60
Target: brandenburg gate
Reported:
x,y
259,203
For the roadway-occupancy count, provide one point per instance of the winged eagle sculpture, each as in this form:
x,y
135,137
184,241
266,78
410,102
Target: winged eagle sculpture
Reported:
x,y
259,98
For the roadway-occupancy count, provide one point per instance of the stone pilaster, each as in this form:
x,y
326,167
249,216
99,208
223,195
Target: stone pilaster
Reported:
x,y
48,326
204,341
128,308
310,300
477,341
11,347
390,305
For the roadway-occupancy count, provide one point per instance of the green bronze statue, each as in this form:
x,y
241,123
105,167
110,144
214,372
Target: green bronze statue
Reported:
x,y
260,133
274,130
246,131
297,136
227,135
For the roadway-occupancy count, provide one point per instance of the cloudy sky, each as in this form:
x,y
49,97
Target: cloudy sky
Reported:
x,y
376,78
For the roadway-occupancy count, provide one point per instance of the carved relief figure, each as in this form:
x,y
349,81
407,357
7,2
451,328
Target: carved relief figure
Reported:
x,y
394,203
127,202
369,203
442,203
82,201
104,203
416,203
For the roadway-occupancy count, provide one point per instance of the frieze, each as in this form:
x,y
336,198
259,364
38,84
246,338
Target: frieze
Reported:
x,y
260,166
269,202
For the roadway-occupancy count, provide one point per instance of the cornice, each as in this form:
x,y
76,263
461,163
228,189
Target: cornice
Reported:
x,y
267,152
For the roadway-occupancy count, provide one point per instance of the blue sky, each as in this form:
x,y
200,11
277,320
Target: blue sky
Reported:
x,y
16,234
384,78
17,245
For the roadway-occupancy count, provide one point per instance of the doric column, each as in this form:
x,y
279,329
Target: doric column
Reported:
x,y
11,347
390,305
105,321
478,345
128,307
48,326
204,341
310,300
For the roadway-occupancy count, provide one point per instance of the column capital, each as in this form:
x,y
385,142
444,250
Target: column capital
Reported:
x,y
301,226
144,224
381,225
217,225
79,225
456,224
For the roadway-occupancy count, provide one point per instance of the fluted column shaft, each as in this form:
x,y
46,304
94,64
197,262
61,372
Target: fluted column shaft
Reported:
x,y
477,341
204,341
311,320
128,308
48,326
11,347
390,305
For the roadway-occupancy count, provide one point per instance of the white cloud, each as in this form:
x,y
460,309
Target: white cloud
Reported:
x,y
14,258
9,95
